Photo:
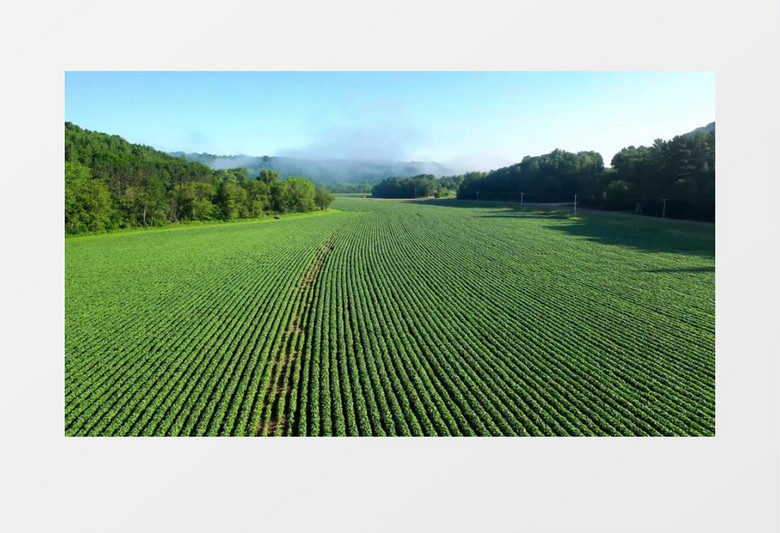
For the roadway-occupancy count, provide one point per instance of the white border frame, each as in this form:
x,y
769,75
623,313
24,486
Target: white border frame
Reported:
x,y
726,483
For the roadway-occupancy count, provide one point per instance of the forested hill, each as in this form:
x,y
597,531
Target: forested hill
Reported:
x,y
709,128
122,165
326,171
111,183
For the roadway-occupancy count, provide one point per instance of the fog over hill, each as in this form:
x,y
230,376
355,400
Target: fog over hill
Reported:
x,y
322,170
329,171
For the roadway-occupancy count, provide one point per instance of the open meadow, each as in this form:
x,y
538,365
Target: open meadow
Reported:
x,y
394,318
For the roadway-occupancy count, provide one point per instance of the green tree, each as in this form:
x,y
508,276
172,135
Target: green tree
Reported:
x,y
258,198
193,200
88,206
619,195
323,198
301,193
146,204
231,200
280,197
269,176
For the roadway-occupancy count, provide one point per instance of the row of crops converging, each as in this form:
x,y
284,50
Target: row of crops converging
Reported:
x,y
389,319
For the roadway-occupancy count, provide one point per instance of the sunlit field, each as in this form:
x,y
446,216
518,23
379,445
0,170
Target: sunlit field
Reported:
x,y
394,318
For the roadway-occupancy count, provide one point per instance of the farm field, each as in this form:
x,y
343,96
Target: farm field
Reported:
x,y
394,318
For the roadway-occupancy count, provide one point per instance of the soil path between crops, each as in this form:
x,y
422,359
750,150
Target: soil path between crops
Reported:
x,y
275,413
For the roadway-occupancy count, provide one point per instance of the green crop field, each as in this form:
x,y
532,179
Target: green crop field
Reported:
x,y
394,318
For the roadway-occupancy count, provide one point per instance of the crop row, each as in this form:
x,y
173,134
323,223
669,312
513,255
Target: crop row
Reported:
x,y
390,319
192,366
420,331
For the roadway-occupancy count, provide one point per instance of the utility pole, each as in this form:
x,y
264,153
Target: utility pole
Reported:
x,y
521,197
663,211
415,191
477,196
575,204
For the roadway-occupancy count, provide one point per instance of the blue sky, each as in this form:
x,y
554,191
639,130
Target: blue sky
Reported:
x,y
470,120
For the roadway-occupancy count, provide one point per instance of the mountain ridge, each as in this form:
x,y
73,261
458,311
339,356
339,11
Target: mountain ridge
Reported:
x,y
703,129
321,170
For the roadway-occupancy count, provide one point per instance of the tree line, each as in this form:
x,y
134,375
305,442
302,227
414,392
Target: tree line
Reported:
x,y
674,177
350,188
420,186
111,184
552,177
680,171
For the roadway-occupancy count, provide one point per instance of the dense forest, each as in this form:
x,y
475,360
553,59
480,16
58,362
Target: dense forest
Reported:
x,y
111,184
681,170
679,173
552,177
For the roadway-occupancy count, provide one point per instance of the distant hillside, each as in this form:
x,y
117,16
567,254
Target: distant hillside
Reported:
x,y
122,165
704,129
321,171
111,184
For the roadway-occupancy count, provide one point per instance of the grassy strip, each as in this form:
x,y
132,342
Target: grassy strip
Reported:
x,y
194,224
